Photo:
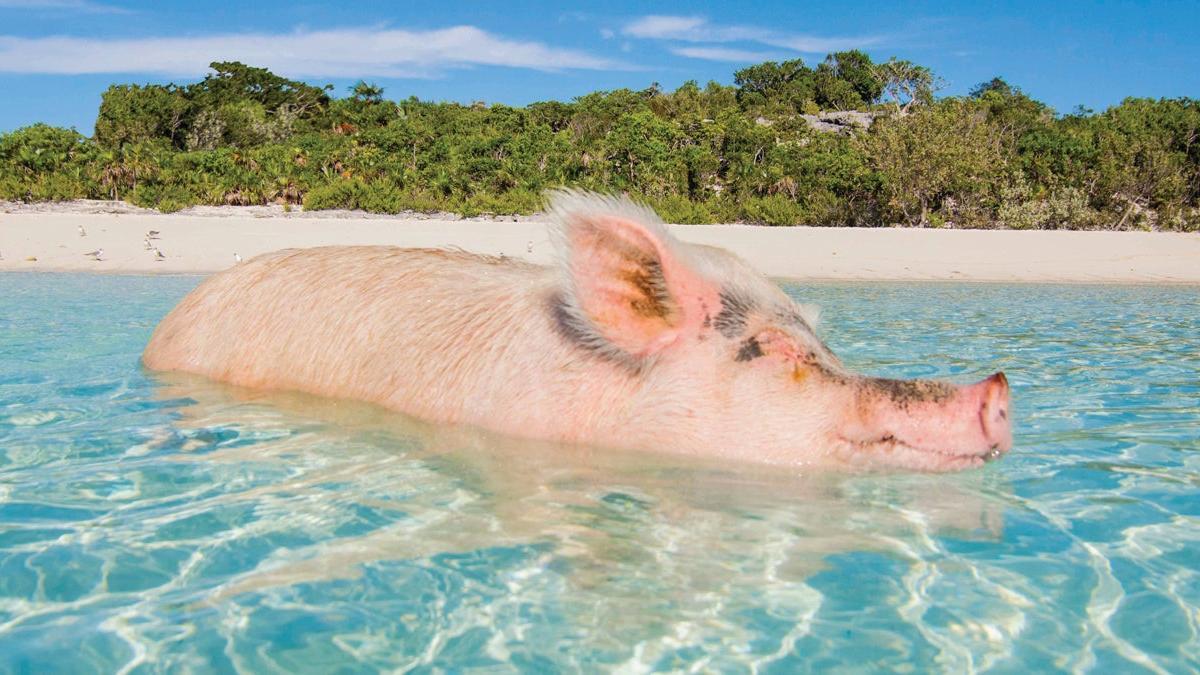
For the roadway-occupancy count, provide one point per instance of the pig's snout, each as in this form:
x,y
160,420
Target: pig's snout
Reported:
x,y
932,425
994,413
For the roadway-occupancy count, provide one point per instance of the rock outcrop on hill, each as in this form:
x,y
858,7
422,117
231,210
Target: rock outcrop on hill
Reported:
x,y
841,122
833,121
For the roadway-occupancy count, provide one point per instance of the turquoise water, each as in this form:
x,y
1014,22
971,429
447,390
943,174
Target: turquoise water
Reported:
x,y
169,524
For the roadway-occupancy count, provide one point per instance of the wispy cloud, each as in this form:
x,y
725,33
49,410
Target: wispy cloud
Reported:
x,y
724,54
660,26
67,5
356,52
699,29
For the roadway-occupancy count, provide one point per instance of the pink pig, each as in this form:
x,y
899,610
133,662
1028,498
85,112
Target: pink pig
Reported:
x,y
632,340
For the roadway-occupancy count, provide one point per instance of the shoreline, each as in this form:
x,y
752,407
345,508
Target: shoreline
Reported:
x,y
204,240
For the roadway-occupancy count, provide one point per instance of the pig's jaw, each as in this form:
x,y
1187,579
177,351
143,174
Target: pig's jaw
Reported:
x,y
892,453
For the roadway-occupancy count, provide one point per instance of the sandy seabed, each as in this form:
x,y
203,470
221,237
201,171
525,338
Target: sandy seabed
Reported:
x,y
203,240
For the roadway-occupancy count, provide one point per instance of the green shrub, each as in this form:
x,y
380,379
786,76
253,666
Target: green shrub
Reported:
x,y
714,154
680,209
515,201
1018,209
822,207
772,210
42,148
375,196
340,194
165,198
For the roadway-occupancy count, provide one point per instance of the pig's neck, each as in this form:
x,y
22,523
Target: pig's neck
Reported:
x,y
512,370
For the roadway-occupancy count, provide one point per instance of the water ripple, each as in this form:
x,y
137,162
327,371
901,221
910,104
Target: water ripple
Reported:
x,y
171,524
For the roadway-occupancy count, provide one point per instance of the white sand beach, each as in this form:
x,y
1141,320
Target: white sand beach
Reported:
x,y
205,240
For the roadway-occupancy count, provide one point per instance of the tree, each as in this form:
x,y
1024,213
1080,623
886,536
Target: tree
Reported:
x,y
834,93
844,81
366,93
234,82
856,69
132,114
906,83
639,150
1148,157
996,85
555,114
787,83
1011,112
939,152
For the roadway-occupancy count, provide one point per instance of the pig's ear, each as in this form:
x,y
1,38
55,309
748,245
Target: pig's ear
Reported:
x,y
628,285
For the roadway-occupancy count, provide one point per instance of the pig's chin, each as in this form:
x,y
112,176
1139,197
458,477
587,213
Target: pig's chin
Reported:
x,y
889,452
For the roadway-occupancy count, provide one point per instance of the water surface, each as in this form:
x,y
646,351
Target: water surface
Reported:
x,y
154,523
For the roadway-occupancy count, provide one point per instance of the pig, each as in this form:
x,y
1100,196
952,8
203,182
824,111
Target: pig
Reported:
x,y
633,340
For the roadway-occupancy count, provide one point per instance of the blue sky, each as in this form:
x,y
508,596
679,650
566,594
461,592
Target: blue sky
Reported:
x,y
57,56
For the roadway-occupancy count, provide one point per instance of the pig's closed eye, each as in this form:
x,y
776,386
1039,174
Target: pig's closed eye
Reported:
x,y
749,349
768,342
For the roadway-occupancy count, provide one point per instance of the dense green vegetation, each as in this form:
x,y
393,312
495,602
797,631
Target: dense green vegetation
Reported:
x,y
994,158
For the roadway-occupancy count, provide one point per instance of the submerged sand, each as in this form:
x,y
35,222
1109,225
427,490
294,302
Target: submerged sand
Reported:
x,y
205,240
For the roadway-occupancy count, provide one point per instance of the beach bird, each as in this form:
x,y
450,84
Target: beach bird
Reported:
x,y
82,232
529,247
158,255
148,245
237,259
97,255
152,234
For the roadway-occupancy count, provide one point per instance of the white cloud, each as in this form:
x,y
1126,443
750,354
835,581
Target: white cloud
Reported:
x,y
353,52
699,29
76,5
724,54
658,26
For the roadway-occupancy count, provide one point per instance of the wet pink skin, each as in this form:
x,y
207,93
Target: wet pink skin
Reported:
x,y
632,339
967,427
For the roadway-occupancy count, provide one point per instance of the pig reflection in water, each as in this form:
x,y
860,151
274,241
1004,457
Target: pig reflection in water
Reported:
x,y
633,340
615,517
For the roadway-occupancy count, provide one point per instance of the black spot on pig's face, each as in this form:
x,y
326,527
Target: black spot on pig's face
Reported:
x,y
734,315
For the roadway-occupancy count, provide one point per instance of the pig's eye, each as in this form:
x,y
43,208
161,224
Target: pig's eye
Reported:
x,y
749,349
768,342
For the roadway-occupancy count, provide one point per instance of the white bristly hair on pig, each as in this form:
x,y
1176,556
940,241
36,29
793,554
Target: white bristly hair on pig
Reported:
x,y
731,275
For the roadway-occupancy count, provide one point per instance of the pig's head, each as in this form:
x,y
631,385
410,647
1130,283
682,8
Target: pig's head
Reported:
x,y
721,361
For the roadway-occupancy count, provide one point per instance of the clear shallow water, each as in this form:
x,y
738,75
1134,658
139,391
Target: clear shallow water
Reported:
x,y
151,523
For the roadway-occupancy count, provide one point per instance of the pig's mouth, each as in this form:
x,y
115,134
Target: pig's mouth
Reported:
x,y
888,451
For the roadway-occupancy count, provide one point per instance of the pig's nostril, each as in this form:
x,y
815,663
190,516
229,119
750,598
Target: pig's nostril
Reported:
x,y
998,409
993,412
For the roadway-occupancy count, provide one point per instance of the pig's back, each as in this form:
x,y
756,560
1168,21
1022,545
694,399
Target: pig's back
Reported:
x,y
341,321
